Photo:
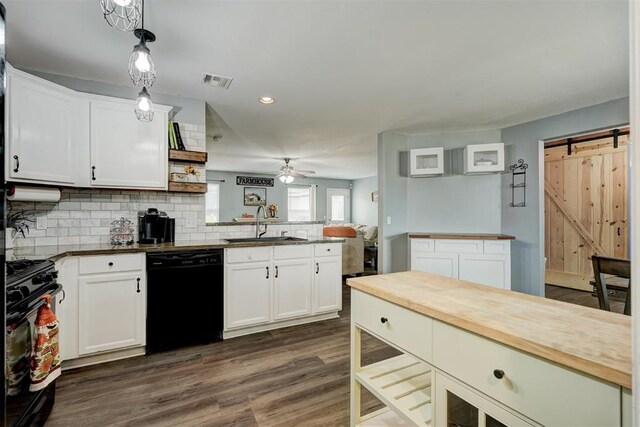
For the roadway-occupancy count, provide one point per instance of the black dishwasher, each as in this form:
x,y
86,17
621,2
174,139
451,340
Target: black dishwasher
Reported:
x,y
184,298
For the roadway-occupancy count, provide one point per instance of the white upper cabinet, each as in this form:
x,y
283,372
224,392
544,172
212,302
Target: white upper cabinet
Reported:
x,y
41,133
427,161
125,152
484,158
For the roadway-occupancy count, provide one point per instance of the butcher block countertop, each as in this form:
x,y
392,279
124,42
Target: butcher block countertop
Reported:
x,y
461,236
585,339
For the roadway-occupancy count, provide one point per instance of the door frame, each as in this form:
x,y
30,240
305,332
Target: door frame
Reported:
x,y
347,206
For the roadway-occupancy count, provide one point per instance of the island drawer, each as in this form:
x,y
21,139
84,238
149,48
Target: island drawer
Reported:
x,y
397,325
111,263
327,249
459,246
258,253
423,245
543,391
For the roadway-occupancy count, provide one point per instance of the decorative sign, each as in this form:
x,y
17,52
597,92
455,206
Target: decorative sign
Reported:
x,y
254,180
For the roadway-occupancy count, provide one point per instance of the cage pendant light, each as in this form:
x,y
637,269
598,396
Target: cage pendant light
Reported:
x,y
141,68
144,106
123,15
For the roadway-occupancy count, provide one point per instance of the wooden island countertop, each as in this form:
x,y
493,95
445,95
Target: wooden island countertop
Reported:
x,y
588,340
460,236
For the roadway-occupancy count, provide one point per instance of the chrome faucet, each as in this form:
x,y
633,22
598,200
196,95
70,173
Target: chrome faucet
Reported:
x,y
264,213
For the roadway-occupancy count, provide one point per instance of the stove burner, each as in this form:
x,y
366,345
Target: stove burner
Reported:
x,y
19,265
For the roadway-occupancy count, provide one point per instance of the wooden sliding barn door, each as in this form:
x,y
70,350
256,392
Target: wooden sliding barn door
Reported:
x,y
586,209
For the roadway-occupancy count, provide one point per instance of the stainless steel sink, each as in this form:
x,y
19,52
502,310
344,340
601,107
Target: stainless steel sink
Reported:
x,y
266,239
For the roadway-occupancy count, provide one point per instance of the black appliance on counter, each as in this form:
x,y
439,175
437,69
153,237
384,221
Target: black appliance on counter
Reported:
x,y
26,282
184,298
155,227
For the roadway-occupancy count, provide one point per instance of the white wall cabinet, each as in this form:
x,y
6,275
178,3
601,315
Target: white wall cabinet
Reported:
x,y
272,287
104,307
483,158
58,136
487,262
125,152
42,134
426,161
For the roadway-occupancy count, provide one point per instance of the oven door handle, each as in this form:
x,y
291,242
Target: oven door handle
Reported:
x,y
18,316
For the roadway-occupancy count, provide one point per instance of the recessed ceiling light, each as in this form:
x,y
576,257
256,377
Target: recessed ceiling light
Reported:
x,y
266,100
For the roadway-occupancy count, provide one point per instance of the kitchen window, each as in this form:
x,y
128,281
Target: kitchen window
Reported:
x,y
212,203
301,203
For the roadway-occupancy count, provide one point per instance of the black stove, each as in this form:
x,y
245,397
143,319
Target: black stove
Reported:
x,y
27,281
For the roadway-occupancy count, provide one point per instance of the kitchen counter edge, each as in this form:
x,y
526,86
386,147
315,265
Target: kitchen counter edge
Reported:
x,y
56,253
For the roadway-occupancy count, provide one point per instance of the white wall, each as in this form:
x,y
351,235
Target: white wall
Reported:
x,y
527,253
363,210
232,195
392,202
454,202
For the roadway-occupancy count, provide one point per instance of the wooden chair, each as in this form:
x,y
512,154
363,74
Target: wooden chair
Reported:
x,y
613,266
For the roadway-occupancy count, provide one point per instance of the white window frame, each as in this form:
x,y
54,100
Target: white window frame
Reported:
x,y
206,204
312,201
347,204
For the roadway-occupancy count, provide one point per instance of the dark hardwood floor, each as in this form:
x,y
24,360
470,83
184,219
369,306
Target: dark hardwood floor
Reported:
x,y
584,298
287,377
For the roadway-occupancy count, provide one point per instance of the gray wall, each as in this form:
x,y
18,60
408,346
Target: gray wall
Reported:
x,y
392,205
363,210
454,202
527,270
232,195
186,110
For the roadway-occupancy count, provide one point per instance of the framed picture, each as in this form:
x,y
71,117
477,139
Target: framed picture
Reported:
x,y
374,196
254,196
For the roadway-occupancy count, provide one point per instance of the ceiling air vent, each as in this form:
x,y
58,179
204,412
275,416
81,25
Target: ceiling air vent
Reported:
x,y
216,80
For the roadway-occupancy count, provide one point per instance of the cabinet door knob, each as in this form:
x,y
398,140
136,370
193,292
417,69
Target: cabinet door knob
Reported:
x,y
383,320
17,159
138,285
110,264
498,373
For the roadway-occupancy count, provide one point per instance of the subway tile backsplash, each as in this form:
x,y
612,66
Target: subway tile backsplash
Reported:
x,y
85,216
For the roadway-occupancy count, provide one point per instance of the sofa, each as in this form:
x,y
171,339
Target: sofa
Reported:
x,y
358,237
352,247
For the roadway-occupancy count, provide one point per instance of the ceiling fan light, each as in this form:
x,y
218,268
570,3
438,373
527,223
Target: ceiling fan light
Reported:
x,y
289,179
121,14
144,106
141,68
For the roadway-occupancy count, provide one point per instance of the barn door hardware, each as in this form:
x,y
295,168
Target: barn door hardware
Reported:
x,y
569,145
616,134
518,181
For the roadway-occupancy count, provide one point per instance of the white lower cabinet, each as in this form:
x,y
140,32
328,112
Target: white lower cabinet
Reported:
x,y
247,294
103,308
327,290
446,376
487,262
291,288
270,287
111,312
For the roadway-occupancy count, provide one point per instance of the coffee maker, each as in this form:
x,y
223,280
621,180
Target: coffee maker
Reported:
x,y
155,227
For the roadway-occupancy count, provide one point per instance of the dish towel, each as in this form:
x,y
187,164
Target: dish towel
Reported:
x,y
45,360
18,355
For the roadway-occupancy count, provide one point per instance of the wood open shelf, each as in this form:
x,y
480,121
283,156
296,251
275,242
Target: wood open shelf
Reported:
x,y
403,383
188,156
188,187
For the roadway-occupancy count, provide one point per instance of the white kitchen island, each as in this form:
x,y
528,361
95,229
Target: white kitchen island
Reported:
x,y
477,355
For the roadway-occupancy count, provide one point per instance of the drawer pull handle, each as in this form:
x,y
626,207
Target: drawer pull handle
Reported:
x,y
138,285
317,268
93,173
267,272
276,276
498,373
17,159
384,320
110,264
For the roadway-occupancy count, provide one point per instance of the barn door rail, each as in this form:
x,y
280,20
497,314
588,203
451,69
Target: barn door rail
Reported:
x,y
570,142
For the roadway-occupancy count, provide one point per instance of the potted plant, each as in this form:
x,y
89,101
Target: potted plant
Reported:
x,y
17,223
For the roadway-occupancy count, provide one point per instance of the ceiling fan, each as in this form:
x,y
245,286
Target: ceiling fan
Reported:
x,y
286,174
